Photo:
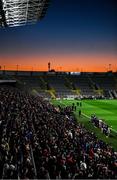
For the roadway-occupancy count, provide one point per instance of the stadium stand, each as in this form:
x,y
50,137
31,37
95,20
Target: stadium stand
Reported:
x,y
33,84
40,141
59,84
66,85
107,83
83,83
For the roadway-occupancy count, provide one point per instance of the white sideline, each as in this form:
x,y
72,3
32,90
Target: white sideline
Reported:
x,y
90,117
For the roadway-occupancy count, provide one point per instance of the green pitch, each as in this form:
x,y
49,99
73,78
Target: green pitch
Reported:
x,y
104,109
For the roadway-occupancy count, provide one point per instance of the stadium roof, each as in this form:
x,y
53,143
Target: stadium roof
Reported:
x,y
21,12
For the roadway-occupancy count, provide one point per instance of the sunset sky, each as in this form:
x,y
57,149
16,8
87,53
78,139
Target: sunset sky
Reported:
x,y
75,35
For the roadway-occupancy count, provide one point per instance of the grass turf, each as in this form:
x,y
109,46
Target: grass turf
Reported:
x,y
104,109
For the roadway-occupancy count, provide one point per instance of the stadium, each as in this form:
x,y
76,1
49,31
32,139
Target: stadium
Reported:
x,y
56,124
59,122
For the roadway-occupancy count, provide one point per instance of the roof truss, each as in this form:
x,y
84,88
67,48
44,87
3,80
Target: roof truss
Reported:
x,y
22,12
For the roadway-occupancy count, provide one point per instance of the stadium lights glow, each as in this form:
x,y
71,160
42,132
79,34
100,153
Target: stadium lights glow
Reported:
x,y
21,12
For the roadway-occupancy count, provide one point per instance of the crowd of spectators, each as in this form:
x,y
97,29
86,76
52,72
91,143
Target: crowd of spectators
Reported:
x,y
99,123
38,140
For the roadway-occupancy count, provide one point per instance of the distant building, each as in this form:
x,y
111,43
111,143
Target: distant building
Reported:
x,y
21,12
49,66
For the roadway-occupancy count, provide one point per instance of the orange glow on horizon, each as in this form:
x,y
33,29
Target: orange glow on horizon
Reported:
x,y
73,63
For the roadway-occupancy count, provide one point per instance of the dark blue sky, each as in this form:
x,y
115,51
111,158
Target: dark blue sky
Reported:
x,y
69,27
